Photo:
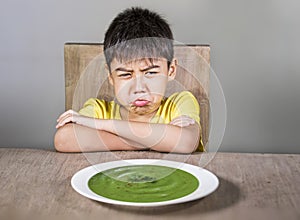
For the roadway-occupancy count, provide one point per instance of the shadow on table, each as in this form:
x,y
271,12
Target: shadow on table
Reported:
x,y
226,195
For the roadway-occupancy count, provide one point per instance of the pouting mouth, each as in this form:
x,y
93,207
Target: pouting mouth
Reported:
x,y
140,102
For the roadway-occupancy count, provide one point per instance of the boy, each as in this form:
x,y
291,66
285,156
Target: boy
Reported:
x,y
138,47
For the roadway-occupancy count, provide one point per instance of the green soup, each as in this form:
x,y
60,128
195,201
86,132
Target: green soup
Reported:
x,y
143,183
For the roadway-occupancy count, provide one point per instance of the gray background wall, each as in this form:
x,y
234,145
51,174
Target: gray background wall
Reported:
x,y
255,52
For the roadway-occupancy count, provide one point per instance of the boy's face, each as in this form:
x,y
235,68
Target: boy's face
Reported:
x,y
140,85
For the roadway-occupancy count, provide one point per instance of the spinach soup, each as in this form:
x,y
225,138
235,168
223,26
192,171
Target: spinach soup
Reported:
x,y
143,183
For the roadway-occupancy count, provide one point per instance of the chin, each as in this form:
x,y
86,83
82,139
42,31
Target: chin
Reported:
x,y
142,110
139,110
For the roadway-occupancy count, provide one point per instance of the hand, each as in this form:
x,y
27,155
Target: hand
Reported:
x,y
66,117
183,121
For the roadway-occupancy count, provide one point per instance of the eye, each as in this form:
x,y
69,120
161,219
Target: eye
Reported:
x,y
151,73
124,75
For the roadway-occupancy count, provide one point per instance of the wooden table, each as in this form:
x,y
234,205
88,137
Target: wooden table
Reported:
x,y
262,186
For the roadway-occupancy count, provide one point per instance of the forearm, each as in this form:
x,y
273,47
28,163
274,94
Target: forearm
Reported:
x,y
77,138
160,137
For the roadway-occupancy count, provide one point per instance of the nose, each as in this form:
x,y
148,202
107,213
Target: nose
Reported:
x,y
139,85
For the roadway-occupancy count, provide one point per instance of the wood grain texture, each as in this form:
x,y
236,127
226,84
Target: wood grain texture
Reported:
x,y
86,76
262,185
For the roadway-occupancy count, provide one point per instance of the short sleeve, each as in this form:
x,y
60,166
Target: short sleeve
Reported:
x,y
186,104
93,108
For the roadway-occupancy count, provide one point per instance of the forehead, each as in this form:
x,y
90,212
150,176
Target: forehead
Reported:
x,y
138,63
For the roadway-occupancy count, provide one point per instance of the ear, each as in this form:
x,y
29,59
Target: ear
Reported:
x,y
106,67
172,70
110,79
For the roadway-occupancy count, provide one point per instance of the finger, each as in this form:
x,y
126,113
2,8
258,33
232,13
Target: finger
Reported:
x,y
70,111
188,119
65,121
65,116
184,117
182,124
62,124
183,121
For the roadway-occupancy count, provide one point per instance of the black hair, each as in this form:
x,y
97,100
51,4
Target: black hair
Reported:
x,y
138,33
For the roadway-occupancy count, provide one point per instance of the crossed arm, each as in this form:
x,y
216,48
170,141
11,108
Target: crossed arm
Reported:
x,y
88,134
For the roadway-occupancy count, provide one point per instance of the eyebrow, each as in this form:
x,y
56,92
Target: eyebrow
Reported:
x,y
130,70
123,69
150,67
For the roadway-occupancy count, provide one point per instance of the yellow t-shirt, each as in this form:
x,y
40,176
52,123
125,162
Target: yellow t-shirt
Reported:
x,y
178,104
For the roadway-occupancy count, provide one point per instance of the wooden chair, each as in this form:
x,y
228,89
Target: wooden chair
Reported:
x,y
84,62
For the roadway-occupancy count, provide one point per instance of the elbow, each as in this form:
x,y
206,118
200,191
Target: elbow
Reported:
x,y
188,144
60,140
64,139
186,148
185,143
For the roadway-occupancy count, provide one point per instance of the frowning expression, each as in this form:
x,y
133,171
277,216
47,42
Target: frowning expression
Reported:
x,y
140,85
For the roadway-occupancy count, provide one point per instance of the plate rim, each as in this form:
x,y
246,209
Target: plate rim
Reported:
x,y
79,181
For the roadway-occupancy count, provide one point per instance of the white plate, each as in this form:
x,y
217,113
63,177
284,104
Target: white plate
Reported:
x,y
208,181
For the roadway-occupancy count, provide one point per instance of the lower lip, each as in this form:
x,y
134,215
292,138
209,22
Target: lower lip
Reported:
x,y
140,103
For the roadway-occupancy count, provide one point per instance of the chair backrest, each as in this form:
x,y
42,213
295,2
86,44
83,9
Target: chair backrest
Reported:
x,y
85,61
